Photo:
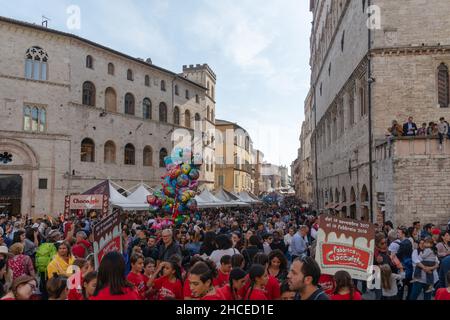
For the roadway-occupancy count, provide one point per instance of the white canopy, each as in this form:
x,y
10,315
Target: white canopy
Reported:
x,y
207,200
244,196
224,195
138,202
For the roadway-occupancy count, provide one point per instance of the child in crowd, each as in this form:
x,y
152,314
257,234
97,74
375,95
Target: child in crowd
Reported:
x,y
389,281
429,258
135,276
224,272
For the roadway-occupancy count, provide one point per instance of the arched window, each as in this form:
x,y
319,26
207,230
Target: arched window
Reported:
x,y
364,204
130,75
187,119
162,155
89,94
176,90
197,99
163,85
36,64
187,94
176,116
110,100
34,119
443,86
212,115
147,108
111,68
147,81
352,203
213,94
208,113
148,156
110,152
26,118
162,112
130,153
129,104
87,150
197,121
89,62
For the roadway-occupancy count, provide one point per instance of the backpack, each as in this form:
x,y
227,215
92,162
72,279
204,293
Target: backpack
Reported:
x,y
44,255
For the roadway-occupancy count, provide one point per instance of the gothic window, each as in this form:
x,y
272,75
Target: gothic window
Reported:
x,y
89,94
148,156
162,112
147,81
176,116
443,86
130,75
89,62
129,104
163,85
130,153
87,150
110,100
34,119
110,69
147,109
36,64
187,119
110,152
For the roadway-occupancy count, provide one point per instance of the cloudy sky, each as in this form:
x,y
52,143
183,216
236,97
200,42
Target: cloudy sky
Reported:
x,y
258,49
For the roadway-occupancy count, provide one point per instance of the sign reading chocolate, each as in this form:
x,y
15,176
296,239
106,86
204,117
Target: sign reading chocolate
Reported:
x,y
345,244
107,237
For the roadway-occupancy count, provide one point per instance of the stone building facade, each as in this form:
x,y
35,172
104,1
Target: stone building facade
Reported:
x,y
74,113
393,70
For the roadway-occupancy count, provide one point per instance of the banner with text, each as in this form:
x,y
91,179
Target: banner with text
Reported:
x,y
107,237
345,244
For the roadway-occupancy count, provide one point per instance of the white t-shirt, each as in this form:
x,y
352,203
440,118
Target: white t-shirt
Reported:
x,y
216,255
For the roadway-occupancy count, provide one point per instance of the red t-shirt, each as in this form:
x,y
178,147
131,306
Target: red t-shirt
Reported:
x,y
442,294
216,296
257,294
356,296
187,289
139,283
225,292
271,291
326,282
128,294
221,280
168,290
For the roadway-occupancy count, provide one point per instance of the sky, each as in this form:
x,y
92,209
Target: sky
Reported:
x,y
259,51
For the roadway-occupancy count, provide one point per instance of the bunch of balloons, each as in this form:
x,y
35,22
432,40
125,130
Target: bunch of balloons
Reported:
x,y
176,196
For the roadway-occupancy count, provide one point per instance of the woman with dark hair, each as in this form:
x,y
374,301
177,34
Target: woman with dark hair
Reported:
x,y
19,237
32,240
89,285
57,288
224,248
345,288
201,277
169,286
186,288
111,282
272,287
209,243
443,245
236,239
237,280
61,262
278,265
258,280
251,250
237,261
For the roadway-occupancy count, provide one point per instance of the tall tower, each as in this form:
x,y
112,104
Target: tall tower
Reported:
x,y
203,75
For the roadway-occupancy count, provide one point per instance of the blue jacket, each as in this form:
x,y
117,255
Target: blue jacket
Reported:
x,y
444,268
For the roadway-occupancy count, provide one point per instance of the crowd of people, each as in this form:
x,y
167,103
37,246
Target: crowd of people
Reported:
x,y
263,253
439,129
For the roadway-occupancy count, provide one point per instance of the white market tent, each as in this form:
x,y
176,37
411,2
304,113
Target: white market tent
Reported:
x,y
207,200
224,195
245,197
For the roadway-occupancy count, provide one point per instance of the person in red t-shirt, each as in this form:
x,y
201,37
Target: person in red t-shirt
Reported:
x,y
230,292
76,286
345,289
258,281
224,272
169,286
111,282
201,278
135,276
149,271
272,288
186,288
444,293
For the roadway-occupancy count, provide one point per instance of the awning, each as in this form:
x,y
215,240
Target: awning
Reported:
x,y
224,195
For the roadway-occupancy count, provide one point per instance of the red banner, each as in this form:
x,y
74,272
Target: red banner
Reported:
x,y
345,256
107,237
